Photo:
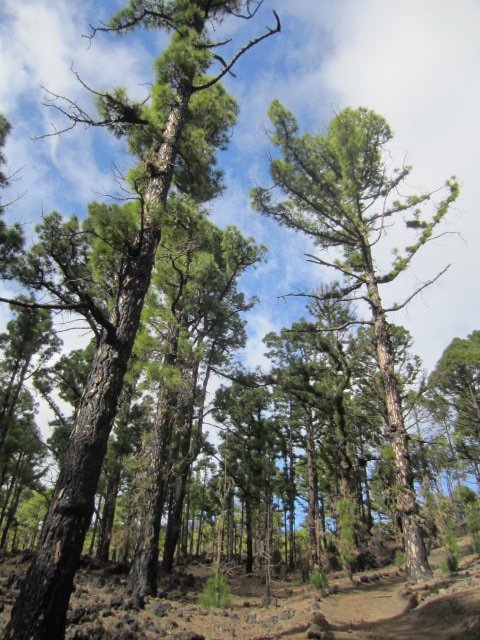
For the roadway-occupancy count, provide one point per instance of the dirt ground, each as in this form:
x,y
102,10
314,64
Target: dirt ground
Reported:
x,y
377,606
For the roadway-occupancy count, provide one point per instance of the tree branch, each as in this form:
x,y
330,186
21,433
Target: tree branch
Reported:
x,y
397,307
271,31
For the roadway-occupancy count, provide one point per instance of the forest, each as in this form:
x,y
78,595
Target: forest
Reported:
x,y
161,465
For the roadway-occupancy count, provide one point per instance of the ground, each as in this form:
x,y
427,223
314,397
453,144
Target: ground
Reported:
x,y
377,606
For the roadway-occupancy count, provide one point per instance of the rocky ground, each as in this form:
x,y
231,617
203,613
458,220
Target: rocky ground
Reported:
x,y
377,606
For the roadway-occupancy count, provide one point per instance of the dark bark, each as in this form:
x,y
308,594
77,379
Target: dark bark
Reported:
x,y
312,479
10,487
40,609
142,579
108,514
199,534
174,524
11,515
95,527
12,393
249,534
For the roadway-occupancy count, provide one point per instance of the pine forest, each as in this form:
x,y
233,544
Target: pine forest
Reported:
x,y
240,368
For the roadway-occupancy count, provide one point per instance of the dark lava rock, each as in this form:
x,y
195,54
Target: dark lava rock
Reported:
x,y
188,580
116,602
86,632
314,631
99,582
161,610
75,615
107,613
88,562
189,635
128,618
117,568
364,579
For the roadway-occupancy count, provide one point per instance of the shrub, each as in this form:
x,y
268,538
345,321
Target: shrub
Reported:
x,y
216,592
319,580
448,534
400,559
472,513
450,564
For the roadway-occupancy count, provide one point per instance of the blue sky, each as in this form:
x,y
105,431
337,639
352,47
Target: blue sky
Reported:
x,y
414,62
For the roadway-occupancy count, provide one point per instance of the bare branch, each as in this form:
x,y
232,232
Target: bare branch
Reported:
x,y
125,113
270,31
250,14
339,327
397,307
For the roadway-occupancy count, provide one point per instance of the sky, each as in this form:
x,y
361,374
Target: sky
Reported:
x,y
414,62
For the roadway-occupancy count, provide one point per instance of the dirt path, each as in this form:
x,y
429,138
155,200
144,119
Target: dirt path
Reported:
x,y
377,606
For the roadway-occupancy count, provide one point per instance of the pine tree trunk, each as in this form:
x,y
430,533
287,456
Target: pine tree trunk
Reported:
x,y
174,524
312,479
11,515
10,487
199,534
108,515
40,610
7,409
95,527
142,579
406,502
249,534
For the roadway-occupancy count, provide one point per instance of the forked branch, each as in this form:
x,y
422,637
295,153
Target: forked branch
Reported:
x,y
227,68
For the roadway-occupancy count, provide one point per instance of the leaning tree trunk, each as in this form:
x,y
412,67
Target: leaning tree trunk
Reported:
x,y
40,610
406,502
7,409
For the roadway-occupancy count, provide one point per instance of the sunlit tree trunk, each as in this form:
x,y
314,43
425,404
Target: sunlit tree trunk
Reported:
x,y
406,502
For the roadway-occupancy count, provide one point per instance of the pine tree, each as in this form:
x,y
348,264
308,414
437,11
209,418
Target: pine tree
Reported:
x,y
179,123
340,191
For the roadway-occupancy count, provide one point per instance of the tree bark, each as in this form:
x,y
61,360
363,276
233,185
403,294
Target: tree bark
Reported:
x,y
142,579
108,514
41,607
312,479
406,503
249,534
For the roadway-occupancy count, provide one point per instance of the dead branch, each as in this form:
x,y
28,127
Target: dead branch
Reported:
x,y
270,31
397,307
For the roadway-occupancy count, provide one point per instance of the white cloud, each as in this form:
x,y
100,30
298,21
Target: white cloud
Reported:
x,y
417,64
414,62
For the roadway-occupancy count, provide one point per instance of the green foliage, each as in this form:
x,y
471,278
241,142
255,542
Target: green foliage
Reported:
x,y
11,237
471,504
400,559
337,189
455,393
319,580
216,593
450,564
346,534
446,525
